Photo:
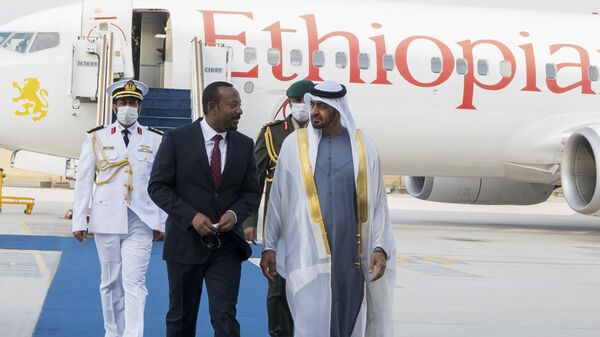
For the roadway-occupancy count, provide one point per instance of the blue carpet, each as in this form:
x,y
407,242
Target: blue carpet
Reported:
x,y
72,306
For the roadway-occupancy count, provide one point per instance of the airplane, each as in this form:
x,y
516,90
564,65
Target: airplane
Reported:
x,y
473,105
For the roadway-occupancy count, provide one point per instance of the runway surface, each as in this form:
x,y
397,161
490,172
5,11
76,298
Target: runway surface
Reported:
x,y
463,271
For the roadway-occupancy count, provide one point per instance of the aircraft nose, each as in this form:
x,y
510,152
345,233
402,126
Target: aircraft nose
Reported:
x,y
8,98
7,64
10,68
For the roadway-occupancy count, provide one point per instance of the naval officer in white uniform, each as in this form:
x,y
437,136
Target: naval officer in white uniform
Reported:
x,y
117,159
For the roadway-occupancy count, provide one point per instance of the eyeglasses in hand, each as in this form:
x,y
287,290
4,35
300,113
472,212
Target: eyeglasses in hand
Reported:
x,y
212,241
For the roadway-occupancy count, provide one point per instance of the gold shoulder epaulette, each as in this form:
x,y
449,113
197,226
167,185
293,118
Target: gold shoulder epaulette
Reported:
x,y
96,129
157,131
279,121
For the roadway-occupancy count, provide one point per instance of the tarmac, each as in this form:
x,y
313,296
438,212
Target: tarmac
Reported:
x,y
462,271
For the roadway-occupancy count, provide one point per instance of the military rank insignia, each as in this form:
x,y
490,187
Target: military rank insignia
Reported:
x,y
145,148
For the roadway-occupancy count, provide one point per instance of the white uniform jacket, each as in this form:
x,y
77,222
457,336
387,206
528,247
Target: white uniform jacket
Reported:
x,y
103,155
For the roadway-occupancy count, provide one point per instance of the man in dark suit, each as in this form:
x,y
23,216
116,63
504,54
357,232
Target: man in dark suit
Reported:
x,y
205,178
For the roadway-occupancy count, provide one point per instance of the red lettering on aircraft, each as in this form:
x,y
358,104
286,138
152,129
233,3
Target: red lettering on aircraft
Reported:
x,y
211,37
584,64
402,61
277,43
470,81
313,45
529,65
469,78
379,53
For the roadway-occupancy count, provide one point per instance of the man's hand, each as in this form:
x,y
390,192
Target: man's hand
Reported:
x,y
80,235
250,234
378,262
158,235
203,225
268,264
226,222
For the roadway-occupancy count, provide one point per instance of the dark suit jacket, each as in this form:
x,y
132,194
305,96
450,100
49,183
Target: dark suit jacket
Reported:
x,y
181,184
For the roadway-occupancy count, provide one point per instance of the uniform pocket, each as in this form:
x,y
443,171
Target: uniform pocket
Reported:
x,y
144,163
111,155
102,202
101,210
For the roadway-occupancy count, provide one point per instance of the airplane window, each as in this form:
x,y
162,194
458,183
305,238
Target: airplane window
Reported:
x,y
273,56
364,61
461,66
593,72
296,57
550,71
319,58
250,55
482,67
18,42
388,62
341,60
436,65
4,36
505,68
44,41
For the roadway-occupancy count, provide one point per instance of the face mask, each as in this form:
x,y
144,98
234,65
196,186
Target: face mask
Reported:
x,y
299,112
127,115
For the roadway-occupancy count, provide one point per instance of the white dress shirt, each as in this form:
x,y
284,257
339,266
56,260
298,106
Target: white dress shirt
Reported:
x,y
209,133
133,133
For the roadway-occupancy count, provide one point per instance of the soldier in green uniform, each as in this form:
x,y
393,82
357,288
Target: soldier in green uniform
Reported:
x,y
266,151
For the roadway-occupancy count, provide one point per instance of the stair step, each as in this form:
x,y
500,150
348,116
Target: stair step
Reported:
x,y
166,112
158,122
165,108
170,93
167,103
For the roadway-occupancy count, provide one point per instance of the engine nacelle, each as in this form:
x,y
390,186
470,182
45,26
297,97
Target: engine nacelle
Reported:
x,y
579,171
480,191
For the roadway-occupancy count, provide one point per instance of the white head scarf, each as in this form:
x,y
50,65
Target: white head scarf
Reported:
x,y
341,105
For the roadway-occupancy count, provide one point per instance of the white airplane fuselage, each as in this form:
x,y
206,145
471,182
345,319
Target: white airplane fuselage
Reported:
x,y
508,123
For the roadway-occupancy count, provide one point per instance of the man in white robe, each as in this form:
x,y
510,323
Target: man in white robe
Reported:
x,y
301,238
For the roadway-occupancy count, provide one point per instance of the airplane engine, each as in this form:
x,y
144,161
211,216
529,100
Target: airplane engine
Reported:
x,y
579,170
479,191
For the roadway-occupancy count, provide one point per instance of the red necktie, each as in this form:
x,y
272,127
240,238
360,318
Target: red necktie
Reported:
x,y
215,161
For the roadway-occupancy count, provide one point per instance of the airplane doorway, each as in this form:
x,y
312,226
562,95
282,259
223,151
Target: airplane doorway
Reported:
x,y
151,46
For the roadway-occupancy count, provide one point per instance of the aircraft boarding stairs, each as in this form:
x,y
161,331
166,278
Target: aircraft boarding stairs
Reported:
x,y
162,108
166,109
170,108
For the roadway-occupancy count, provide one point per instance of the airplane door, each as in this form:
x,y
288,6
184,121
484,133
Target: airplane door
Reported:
x,y
211,63
102,17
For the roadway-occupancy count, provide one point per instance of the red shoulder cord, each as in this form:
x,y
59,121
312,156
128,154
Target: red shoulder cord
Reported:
x,y
282,111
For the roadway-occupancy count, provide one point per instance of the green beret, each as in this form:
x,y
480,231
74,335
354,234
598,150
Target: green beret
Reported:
x,y
298,89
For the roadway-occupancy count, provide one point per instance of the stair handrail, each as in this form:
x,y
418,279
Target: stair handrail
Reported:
x,y
197,79
228,62
109,80
104,109
101,84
